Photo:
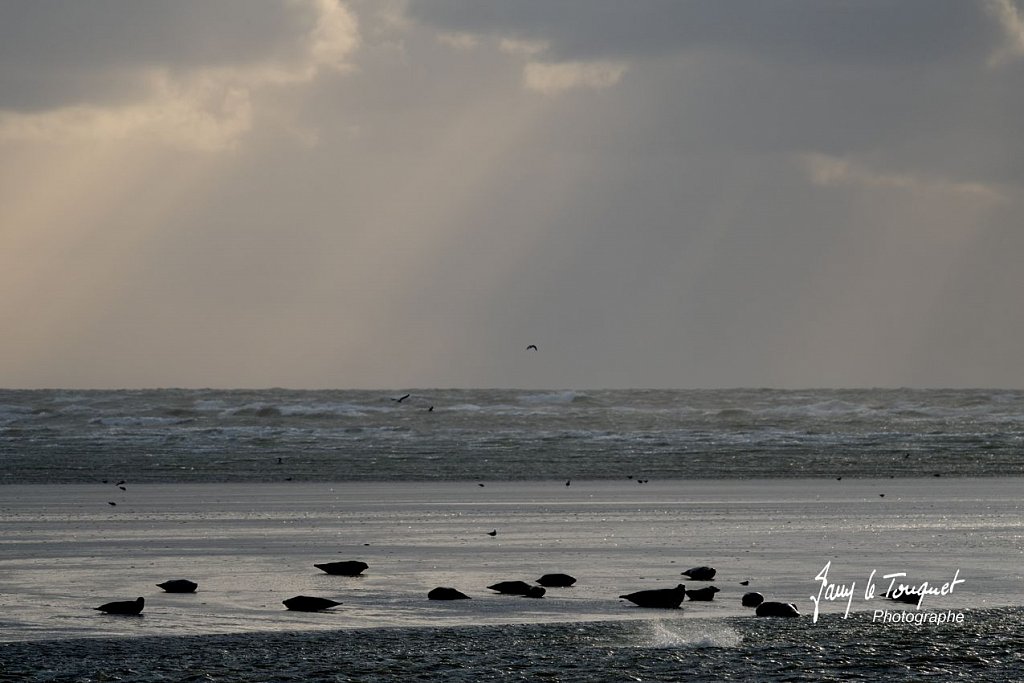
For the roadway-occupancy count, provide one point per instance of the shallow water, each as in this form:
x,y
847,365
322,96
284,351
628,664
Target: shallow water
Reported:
x,y
63,550
988,647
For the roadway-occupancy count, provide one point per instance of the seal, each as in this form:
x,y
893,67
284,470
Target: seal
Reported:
x,y
751,599
702,594
349,568
777,609
556,580
700,573
443,593
664,598
179,586
511,587
123,606
305,603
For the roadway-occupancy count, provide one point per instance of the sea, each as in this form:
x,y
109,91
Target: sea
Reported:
x,y
205,436
208,435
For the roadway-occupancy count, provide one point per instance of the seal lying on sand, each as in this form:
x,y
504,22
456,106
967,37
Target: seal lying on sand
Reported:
x,y
179,586
556,580
702,594
752,599
304,603
349,568
518,588
123,606
777,609
665,598
442,593
700,573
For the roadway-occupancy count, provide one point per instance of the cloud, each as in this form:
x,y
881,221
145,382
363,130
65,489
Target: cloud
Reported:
x,y
795,31
832,171
1009,19
459,41
203,114
556,77
183,101
529,48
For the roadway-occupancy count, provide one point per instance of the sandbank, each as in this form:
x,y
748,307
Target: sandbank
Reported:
x,y
64,549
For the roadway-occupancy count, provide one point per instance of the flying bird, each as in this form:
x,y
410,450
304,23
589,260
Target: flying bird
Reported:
x,y
400,399
531,347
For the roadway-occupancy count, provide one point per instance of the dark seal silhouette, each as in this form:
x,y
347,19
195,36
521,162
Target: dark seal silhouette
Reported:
x,y
443,593
179,586
518,588
305,603
348,568
664,598
123,606
751,599
777,609
702,594
511,587
556,580
700,573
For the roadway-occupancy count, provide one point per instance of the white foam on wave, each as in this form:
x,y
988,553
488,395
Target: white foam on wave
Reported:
x,y
664,634
10,413
324,410
551,397
137,421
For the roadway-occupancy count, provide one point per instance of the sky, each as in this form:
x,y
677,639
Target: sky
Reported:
x,y
407,193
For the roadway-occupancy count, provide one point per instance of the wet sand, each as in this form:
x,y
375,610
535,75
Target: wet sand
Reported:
x,y
65,550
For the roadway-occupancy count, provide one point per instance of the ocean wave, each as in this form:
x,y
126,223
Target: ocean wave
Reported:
x,y
13,413
138,421
508,434
665,634
554,397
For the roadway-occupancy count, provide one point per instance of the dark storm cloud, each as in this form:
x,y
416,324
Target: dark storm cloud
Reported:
x,y
906,82
868,31
59,52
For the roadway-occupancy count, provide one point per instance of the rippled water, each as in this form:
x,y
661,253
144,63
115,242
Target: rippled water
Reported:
x,y
988,647
270,435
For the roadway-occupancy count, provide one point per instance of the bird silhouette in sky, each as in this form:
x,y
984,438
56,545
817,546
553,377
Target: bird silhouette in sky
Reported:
x,y
531,347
